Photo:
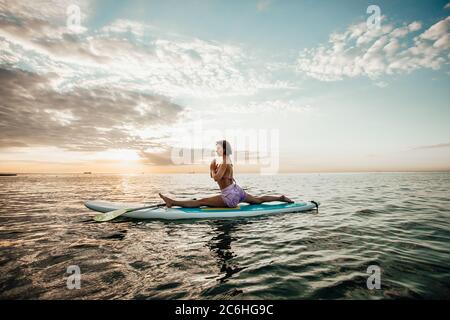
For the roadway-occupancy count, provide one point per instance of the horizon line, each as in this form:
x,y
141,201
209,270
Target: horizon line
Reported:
x,y
289,172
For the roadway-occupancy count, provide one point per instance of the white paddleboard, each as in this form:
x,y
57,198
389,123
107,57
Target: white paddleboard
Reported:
x,y
176,213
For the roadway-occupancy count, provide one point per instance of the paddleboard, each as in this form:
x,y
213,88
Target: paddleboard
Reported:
x,y
176,213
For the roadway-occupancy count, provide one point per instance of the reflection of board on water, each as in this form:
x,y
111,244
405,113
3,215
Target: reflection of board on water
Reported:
x,y
220,245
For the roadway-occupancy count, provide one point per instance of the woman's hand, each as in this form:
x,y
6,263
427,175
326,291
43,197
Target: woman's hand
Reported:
x,y
212,168
213,165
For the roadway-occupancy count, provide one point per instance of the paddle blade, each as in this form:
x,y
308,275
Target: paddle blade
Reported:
x,y
102,217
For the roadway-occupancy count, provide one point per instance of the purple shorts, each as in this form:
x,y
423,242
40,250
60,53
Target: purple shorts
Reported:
x,y
232,195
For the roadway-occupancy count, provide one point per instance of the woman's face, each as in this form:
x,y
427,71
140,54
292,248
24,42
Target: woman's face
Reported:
x,y
219,150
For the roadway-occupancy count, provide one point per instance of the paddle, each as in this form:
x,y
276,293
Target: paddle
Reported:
x,y
107,216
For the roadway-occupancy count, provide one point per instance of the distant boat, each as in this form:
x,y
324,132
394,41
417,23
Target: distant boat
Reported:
x,y
87,172
8,174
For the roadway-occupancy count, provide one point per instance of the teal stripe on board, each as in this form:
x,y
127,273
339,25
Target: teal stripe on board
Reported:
x,y
247,208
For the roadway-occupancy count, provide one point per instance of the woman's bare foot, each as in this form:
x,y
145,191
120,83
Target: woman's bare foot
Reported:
x,y
168,201
286,199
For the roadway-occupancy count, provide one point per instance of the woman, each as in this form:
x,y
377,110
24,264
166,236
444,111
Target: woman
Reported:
x,y
230,193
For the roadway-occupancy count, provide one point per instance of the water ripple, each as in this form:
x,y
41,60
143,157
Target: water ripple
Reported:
x,y
399,222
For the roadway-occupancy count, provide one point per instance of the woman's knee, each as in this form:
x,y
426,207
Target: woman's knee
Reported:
x,y
259,200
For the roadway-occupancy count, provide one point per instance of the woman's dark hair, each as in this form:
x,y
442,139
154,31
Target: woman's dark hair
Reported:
x,y
226,146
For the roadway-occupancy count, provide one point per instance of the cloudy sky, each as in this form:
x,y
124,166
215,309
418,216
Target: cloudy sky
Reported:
x,y
118,86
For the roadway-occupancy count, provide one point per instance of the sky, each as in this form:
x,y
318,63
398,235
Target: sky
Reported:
x,y
295,86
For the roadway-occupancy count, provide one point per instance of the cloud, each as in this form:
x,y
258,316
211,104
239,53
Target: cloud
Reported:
x,y
46,162
109,87
433,146
263,5
381,84
40,28
268,106
162,158
34,114
165,157
195,156
54,10
126,54
372,52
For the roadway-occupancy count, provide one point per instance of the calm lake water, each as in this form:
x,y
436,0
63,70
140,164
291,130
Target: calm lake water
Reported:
x,y
399,222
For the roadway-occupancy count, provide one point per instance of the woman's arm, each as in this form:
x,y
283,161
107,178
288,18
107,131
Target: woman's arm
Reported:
x,y
218,174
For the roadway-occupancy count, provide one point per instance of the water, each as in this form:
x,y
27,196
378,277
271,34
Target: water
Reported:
x,y
397,221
